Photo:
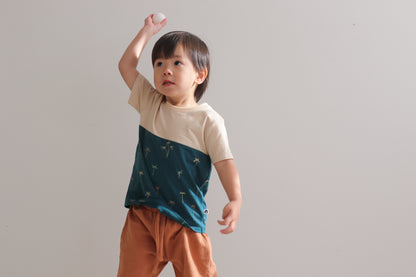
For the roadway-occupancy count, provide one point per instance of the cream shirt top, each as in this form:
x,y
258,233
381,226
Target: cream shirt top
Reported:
x,y
199,127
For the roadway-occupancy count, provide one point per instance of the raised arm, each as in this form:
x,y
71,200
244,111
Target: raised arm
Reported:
x,y
128,62
227,171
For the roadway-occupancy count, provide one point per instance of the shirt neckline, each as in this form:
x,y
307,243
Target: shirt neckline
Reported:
x,y
201,106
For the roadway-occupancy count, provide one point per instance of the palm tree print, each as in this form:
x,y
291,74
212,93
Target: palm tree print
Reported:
x,y
206,183
147,151
196,161
167,148
182,194
154,168
179,173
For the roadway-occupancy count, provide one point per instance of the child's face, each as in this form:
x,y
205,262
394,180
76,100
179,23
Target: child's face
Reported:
x,y
176,77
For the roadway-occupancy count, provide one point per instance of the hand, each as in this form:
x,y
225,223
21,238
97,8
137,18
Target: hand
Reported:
x,y
154,27
230,215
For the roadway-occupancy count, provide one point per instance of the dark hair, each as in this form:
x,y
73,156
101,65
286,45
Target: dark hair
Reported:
x,y
197,50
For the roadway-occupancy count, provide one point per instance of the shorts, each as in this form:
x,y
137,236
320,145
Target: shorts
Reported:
x,y
150,240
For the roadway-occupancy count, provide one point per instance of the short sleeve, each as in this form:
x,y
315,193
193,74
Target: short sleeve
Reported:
x,y
143,94
216,139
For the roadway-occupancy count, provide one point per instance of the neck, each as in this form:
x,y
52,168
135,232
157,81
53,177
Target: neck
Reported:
x,y
183,103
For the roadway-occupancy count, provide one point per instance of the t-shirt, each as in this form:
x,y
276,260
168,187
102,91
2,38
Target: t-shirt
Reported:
x,y
174,155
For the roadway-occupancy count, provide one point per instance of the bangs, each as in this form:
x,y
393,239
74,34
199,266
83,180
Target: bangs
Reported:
x,y
165,47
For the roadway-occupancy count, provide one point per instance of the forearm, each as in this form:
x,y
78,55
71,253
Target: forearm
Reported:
x,y
132,54
229,177
227,171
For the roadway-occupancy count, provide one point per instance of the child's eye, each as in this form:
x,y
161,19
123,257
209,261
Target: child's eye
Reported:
x,y
178,63
158,63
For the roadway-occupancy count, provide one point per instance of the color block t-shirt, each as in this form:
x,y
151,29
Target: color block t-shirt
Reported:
x,y
174,155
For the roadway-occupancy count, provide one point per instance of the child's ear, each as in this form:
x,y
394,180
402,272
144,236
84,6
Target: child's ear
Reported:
x,y
201,76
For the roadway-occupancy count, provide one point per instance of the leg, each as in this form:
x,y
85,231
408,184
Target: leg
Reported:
x,y
138,248
191,254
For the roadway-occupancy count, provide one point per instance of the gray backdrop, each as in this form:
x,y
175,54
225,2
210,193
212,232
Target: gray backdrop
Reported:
x,y
318,98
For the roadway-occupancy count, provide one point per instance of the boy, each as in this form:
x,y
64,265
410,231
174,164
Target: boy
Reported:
x,y
178,141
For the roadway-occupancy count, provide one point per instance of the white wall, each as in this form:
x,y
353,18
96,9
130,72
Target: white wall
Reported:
x,y
319,101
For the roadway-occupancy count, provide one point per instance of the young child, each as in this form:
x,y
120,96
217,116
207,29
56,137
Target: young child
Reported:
x,y
179,140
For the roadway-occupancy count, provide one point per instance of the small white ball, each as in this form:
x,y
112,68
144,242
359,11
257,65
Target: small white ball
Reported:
x,y
158,17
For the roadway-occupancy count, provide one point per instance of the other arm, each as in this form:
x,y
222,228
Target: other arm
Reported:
x,y
128,62
227,171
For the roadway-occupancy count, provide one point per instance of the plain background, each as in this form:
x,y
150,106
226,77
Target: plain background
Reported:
x,y
318,99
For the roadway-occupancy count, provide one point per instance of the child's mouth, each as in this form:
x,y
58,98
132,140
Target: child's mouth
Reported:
x,y
167,83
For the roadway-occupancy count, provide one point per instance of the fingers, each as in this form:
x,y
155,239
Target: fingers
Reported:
x,y
228,221
149,20
230,216
231,226
156,26
163,22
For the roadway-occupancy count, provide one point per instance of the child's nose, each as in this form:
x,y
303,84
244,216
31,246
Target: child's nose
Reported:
x,y
167,71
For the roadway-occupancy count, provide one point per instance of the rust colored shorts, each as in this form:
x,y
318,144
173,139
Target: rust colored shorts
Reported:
x,y
150,240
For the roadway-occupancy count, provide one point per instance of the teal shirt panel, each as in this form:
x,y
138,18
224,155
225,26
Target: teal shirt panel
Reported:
x,y
171,177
